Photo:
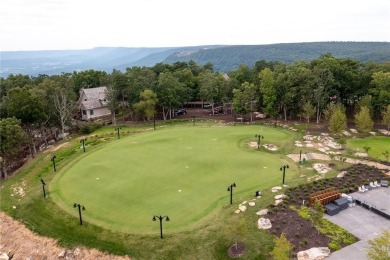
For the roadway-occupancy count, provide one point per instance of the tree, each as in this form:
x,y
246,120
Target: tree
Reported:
x,y
12,137
112,101
26,105
268,90
169,92
308,111
208,88
236,229
337,120
64,106
145,108
282,248
379,247
380,90
386,118
363,120
240,106
366,101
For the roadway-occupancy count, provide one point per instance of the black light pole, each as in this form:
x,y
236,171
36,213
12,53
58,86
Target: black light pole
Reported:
x,y
300,156
81,207
258,140
154,121
43,187
230,188
53,159
283,168
83,141
193,120
161,218
117,129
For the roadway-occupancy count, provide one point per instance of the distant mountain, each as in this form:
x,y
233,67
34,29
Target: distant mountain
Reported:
x,y
224,58
230,57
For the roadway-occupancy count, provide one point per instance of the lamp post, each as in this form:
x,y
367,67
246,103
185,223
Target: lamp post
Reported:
x,y
43,187
83,141
161,218
117,129
258,140
193,120
81,207
300,156
230,188
283,168
53,159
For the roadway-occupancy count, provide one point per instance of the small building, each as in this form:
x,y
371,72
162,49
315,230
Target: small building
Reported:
x,y
93,103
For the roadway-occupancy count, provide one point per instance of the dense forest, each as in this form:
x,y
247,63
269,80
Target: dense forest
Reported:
x,y
227,58
224,58
33,107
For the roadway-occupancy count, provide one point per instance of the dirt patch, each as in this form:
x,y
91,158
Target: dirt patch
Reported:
x,y
20,243
57,147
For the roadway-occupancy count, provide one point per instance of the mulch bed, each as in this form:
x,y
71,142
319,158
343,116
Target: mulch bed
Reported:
x,y
236,250
299,232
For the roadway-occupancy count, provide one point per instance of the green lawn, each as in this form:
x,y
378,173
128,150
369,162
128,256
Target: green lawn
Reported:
x,y
179,171
378,144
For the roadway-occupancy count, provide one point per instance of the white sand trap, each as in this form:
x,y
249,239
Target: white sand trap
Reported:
x,y
97,178
179,190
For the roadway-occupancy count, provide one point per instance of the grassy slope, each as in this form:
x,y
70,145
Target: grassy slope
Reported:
x,y
207,240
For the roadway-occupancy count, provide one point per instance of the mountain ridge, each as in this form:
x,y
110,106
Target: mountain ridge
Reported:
x,y
223,57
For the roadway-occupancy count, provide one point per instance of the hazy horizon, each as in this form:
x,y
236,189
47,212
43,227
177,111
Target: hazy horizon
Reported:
x,y
30,25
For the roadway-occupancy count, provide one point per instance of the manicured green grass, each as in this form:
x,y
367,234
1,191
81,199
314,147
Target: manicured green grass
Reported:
x,y
378,144
181,171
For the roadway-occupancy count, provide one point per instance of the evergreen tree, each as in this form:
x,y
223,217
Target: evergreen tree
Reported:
x,y
363,120
282,248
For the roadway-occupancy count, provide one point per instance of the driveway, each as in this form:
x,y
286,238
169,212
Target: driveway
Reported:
x,y
363,223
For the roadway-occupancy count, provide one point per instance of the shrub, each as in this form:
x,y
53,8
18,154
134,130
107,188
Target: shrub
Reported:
x,y
87,129
334,246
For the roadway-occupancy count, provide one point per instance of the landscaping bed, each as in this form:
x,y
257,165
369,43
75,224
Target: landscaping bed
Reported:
x,y
292,219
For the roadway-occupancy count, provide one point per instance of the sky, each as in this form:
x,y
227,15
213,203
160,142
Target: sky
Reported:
x,y
84,24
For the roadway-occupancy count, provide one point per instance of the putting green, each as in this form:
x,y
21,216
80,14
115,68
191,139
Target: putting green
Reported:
x,y
182,172
378,145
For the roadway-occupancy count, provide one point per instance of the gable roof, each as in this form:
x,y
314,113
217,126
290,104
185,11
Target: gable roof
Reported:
x,y
95,93
91,98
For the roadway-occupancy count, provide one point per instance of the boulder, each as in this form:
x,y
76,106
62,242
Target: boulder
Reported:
x,y
277,202
242,208
262,212
237,211
252,203
264,223
4,256
281,196
314,253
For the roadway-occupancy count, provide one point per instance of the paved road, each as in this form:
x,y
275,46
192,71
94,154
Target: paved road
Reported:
x,y
363,223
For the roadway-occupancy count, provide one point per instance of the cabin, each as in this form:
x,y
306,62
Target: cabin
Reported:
x,y
93,103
